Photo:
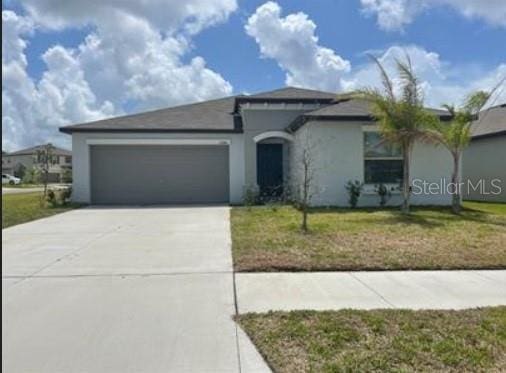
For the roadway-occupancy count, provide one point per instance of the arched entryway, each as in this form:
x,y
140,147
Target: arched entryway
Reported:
x,y
272,163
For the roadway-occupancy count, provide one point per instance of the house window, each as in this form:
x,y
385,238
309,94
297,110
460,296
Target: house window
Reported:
x,y
68,159
382,161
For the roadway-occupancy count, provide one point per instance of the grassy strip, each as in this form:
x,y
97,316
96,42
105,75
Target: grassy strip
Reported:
x,y
381,340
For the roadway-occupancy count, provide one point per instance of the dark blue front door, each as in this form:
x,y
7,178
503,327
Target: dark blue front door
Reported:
x,y
270,169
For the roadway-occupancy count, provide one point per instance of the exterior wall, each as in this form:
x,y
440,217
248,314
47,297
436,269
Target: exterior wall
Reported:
x,y
12,161
338,153
484,159
81,158
259,119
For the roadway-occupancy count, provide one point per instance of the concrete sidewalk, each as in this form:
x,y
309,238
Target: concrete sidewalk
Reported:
x,y
9,190
261,292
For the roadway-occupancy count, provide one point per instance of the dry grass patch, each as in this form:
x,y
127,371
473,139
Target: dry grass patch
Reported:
x,y
381,340
269,239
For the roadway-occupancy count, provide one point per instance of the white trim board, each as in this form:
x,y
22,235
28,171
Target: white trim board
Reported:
x,y
158,142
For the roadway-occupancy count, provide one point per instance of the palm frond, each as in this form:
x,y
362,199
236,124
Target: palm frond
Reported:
x,y
410,85
385,79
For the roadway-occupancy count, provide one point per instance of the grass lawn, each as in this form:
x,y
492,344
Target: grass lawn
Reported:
x,y
381,340
21,208
269,239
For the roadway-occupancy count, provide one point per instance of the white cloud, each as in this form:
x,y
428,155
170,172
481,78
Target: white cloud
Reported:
x,y
441,81
395,14
32,111
131,61
167,15
132,58
292,42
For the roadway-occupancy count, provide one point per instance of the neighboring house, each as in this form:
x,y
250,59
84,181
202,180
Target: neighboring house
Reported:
x,y
214,151
28,158
485,159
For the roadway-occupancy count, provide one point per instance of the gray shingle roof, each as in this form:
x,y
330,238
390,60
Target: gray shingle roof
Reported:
x,y
293,93
354,108
491,122
220,115
213,115
34,149
207,116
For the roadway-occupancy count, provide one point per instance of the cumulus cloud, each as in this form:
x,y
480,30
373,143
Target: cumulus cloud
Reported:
x,y
32,111
133,62
167,15
292,42
441,81
132,59
395,14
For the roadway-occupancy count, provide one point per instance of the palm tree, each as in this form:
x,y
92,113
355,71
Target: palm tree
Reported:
x,y
456,135
402,118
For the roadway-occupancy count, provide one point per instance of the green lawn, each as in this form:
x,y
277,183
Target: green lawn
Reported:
x,y
21,208
269,239
381,340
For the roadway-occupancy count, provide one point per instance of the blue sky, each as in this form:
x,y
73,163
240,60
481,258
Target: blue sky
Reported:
x,y
343,27
87,60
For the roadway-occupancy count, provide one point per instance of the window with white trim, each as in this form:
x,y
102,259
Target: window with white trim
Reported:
x,y
383,162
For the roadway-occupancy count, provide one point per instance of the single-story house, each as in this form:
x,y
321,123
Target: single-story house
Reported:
x,y
14,162
216,151
484,161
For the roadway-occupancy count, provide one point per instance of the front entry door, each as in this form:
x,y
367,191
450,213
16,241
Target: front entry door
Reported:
x,y
270,169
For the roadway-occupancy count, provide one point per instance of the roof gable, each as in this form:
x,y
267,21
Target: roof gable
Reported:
x,y
491,122
292,93
34,149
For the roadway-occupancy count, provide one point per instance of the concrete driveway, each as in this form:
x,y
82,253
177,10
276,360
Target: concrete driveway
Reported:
x,y
122,290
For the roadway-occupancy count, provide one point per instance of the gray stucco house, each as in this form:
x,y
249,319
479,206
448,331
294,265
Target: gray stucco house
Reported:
x,y
27,158
213,151
485,159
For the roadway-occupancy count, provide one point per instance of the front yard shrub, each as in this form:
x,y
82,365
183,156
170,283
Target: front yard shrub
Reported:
x,y
64,196
383,193
354,189
51,198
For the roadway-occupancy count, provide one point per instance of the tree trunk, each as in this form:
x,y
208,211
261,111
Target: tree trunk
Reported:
x,y
405,178
45,183
305,194
456,182
304,220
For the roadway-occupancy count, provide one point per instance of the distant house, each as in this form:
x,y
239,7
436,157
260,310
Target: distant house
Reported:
x,y
14,162
484,161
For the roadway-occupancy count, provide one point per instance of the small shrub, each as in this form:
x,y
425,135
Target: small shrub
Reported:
x,y
383,193
354,189
64,195
51,198
251,196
